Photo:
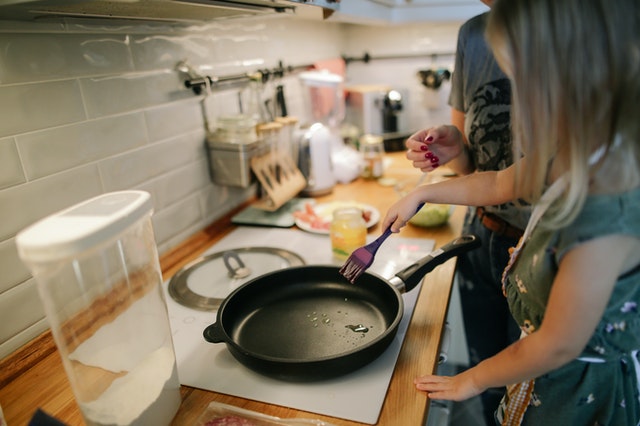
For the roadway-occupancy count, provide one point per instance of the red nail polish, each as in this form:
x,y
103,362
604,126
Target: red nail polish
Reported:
x,y
428,155
434,160
429,139
424,147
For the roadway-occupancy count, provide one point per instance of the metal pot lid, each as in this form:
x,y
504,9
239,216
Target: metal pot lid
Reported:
x,y
204,283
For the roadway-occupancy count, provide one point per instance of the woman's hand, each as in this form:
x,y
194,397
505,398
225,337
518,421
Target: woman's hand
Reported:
x,y
435,146
455,388
404,209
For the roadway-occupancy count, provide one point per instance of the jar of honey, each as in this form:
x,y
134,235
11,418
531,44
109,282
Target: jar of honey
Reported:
x,y
348,232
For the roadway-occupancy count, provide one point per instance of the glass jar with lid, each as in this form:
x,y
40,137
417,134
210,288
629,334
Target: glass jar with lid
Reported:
x,y
240,129
372,150
348,232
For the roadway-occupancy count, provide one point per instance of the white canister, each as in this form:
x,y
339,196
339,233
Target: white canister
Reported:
x,y
98,275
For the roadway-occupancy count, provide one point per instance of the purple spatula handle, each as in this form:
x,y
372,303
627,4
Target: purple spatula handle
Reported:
x,y
378,241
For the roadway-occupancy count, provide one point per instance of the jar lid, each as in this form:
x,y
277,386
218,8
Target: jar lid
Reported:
x,y
268,127
370,139
83,226
236,122
288,120
348,211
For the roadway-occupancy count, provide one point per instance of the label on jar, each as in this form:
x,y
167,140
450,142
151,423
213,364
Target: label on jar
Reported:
x,y
372,166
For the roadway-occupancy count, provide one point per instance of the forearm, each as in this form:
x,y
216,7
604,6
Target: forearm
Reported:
x,y
526,359
478,189
463,164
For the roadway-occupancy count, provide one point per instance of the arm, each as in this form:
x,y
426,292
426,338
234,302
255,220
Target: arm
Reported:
x,y
447,143
462,164
577,301
478,189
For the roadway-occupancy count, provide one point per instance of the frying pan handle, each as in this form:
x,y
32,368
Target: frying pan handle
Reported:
x,y
414,273
214,334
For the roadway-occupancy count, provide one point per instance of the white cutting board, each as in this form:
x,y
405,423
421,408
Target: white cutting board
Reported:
x,y
357,396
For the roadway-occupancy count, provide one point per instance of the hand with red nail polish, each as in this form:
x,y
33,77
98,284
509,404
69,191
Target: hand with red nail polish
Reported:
x,y
432,147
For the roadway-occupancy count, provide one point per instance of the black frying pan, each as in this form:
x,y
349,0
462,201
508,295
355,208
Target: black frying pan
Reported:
x,y
308,322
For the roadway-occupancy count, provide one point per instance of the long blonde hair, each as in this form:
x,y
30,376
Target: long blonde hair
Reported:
x,y
574,66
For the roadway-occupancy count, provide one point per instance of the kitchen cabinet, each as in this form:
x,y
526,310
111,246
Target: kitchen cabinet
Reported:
x,y
197,11
407,11
172,11
34,377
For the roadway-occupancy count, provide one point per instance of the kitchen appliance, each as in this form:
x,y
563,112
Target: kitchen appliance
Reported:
x,y
310,323
314,160
362,107
392,105
356,396
324,111
380,110
323,98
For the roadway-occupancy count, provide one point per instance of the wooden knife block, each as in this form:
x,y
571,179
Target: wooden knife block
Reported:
x,y
280,178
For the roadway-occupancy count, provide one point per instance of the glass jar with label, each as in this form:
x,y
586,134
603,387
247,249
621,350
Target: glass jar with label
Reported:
x,y
348,232
372,149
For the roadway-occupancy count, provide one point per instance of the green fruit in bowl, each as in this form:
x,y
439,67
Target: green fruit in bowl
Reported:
x,y
431,215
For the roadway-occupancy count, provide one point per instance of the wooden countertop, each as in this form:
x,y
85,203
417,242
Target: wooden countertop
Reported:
x,y
34,377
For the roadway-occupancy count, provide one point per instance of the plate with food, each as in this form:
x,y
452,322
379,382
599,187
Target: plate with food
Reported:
x,y
316,218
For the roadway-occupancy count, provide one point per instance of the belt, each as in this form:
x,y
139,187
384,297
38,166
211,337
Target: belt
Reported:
x,y
498,225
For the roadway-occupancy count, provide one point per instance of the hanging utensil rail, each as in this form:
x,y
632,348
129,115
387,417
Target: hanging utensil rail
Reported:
x,y
366,57
198,82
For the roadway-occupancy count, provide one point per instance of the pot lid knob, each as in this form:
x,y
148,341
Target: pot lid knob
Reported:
x,y
239,270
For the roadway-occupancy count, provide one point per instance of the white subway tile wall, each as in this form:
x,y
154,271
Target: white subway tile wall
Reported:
x,y
89,108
